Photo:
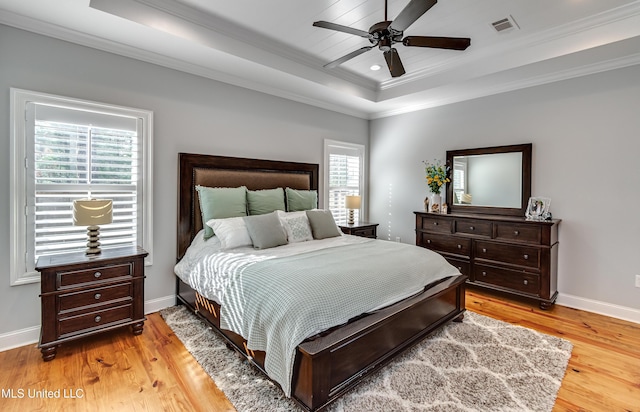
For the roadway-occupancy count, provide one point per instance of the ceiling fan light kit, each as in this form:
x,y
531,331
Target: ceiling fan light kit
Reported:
x,y
387,33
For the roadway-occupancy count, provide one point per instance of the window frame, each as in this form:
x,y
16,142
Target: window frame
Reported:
x,y
19,146
333,146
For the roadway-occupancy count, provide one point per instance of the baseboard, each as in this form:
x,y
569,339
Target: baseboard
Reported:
x,y
155,305
31,335
602,308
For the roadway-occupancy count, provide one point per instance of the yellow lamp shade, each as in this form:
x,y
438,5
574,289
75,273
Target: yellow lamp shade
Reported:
x,y
353,202
92,212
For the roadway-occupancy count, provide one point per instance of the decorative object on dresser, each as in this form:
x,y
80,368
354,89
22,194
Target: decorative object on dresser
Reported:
x,y
437,175
87,294
363,229
92,213
352,203
538,208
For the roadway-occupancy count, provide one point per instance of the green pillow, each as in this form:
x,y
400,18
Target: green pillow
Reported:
x,y
322,224
265,230
265,201
220,203
298,200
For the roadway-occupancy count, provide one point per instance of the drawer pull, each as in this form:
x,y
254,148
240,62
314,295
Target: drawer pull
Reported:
x,y
459,246
97,296
428,240
472,228
435,223
516,233
526,257
459,268
526,282
97,275
484,250
97,318
484,273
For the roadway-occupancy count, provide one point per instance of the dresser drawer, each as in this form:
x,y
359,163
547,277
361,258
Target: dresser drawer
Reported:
x,y
473,227
463,266
436,224
446,244
365,232
508,279
511,254
97,296
514,232
95,275
94,320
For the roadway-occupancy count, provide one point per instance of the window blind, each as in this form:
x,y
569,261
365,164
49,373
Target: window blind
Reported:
x,y
74,160
344,180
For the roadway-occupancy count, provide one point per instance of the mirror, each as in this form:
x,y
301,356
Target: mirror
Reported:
x,y
490,180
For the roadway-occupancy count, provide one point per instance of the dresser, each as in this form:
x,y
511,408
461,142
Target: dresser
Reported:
x,y
362,229
501,253
83,295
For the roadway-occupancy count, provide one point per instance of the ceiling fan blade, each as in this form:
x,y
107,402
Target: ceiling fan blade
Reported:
x,y
341,28
453,43
411,13
394,63
349,56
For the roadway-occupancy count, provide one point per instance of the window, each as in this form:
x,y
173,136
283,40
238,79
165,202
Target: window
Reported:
x,y
459,178
65,149
344,176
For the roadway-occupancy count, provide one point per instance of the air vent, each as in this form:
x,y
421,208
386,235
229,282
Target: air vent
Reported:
x,y
505,25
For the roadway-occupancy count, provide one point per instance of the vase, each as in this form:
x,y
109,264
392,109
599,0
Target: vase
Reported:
x,y
434,203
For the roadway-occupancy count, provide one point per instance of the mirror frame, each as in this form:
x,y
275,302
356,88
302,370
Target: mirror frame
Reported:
x,y
525,149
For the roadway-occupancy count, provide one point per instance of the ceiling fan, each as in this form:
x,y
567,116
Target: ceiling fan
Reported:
x,y
386,33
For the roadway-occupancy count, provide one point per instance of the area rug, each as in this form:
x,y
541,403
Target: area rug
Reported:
x,y
481,364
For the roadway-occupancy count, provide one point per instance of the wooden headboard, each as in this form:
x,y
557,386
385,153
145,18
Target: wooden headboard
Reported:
x,y
221,171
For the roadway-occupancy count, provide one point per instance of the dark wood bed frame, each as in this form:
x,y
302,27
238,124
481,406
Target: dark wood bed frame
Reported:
x,y
328,365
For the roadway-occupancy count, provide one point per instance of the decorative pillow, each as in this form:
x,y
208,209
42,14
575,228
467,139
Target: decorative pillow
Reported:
x,y
296,225
232,232
265,230
301,199
265,201
220,203
322,224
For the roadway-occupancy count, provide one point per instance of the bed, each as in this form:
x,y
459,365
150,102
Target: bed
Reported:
x,y
327,364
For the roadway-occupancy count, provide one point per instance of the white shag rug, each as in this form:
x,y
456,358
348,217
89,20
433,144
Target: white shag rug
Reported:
x,y
481,364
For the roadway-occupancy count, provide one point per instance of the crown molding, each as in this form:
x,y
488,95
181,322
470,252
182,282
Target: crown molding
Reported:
x,y
61,33
502,87
614,16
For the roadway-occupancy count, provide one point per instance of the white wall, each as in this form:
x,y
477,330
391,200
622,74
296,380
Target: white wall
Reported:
x,y
586,147
191,114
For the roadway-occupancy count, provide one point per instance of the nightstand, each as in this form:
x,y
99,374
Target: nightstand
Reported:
x,y
84,295
362,229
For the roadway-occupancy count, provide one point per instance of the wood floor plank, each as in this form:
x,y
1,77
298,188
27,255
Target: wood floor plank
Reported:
x,y
154,372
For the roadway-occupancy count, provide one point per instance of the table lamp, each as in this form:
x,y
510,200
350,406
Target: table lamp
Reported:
x,y
92,213
351,203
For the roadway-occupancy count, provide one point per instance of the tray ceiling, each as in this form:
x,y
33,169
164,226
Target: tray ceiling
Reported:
x,y
272,47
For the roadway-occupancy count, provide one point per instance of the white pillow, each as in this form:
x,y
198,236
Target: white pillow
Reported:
x,y
232,232
296,225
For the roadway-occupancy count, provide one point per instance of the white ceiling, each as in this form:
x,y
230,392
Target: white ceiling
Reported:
x,y
271,45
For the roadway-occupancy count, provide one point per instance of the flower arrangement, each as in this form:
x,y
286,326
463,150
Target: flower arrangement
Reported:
x,y
437,175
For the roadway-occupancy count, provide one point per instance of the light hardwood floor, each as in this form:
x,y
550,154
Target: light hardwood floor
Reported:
x,y
153,372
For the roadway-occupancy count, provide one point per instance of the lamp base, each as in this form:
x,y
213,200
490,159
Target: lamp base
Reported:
x,y
350,220
93,237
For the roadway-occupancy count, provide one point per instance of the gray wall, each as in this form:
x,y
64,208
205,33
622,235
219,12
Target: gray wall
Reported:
x,y
585,135
192,114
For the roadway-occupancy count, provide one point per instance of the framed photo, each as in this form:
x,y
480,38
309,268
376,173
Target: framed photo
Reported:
x,y
538,208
